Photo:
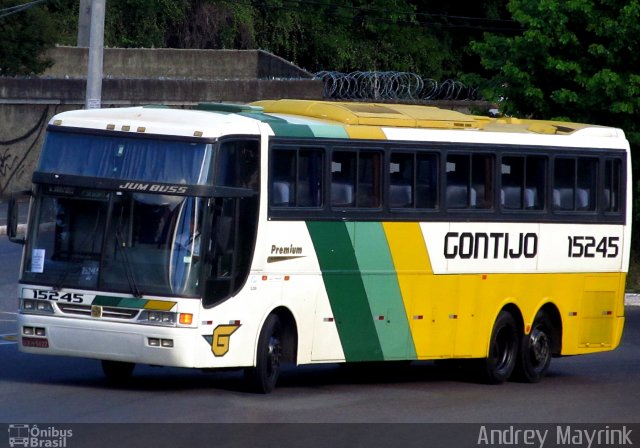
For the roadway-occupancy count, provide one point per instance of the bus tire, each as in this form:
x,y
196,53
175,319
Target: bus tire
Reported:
x,y
535,350
117,371
498,366
263,377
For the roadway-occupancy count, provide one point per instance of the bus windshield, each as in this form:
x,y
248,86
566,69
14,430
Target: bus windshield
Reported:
x,y
136,243
130,158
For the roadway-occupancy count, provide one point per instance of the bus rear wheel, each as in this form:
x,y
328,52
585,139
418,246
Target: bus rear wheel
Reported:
x,y
535,350
263,377
117,371
503,350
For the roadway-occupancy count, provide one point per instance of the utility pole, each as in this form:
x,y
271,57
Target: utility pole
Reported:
x,y
84,23
96,50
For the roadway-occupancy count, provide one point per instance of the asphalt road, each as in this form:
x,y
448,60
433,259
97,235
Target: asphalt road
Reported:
x,y
601,388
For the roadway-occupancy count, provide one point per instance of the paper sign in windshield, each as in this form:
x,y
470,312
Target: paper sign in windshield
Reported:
x,y
37,261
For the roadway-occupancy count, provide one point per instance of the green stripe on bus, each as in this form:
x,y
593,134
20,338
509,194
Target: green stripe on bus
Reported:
x,y
283,127
128,302
383,291
291,130
328,131
106,301
346,291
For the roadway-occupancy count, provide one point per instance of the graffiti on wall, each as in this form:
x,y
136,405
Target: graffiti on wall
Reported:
x,y
14,153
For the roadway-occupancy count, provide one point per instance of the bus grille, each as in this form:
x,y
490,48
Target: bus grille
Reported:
x,y
107,311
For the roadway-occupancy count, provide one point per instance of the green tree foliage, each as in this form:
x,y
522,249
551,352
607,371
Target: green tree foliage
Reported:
x,y
367,35
213,24
427,37
23,38
141,23
575,60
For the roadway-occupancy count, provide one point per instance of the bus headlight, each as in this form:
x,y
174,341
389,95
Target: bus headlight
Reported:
x,y
36,306
157,318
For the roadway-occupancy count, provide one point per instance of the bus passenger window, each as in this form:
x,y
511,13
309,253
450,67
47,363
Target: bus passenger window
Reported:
x,y
413,180
586,186
512,183
469,181
564,175
355,179
401,175
283,177
309,185
296,177
523,180
535,182
574,184
343,178
612,185
426,181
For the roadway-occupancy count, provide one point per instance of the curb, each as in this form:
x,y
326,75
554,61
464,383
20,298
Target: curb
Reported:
x,y
632,299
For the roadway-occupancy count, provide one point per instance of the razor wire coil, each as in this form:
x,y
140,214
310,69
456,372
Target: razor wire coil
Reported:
x,y
392,86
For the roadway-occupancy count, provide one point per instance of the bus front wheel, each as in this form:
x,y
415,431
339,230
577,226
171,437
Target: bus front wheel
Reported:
x,y
535,350
503,350
263,377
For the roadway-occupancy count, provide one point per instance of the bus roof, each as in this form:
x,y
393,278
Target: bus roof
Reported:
x,y
160,120
310,118
415,116
411,122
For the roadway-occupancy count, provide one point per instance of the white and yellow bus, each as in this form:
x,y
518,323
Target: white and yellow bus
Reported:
x,y
243,236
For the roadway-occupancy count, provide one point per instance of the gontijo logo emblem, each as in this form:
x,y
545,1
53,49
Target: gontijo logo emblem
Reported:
x,y
221,338
33,436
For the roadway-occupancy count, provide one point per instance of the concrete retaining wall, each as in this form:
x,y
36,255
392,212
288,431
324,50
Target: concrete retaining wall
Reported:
x,y
71,62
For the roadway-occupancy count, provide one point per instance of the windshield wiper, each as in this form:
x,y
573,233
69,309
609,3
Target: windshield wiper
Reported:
x,y
131,279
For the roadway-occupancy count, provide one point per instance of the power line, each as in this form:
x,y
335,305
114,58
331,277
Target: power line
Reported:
x,y
19,8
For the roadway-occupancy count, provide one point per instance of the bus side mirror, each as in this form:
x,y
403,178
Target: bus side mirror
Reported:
x,y
13,213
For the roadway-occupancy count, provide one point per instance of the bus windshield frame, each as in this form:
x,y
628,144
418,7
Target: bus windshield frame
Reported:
x,y
135,243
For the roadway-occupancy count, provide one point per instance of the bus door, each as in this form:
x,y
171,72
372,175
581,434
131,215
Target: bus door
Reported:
x,y
233,219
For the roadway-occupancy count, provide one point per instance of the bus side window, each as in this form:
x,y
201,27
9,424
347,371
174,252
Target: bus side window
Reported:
x,y
413,180
574,181
522,182
469,181
356,178
535,182
283,176
296,177
401,180
586,184
343,178
426,195
309,179
612,185
237,164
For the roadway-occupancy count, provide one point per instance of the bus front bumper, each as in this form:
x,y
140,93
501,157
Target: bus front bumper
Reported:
x,y
115,341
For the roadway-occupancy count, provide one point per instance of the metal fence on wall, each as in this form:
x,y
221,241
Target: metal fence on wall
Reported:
x,y
393,86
